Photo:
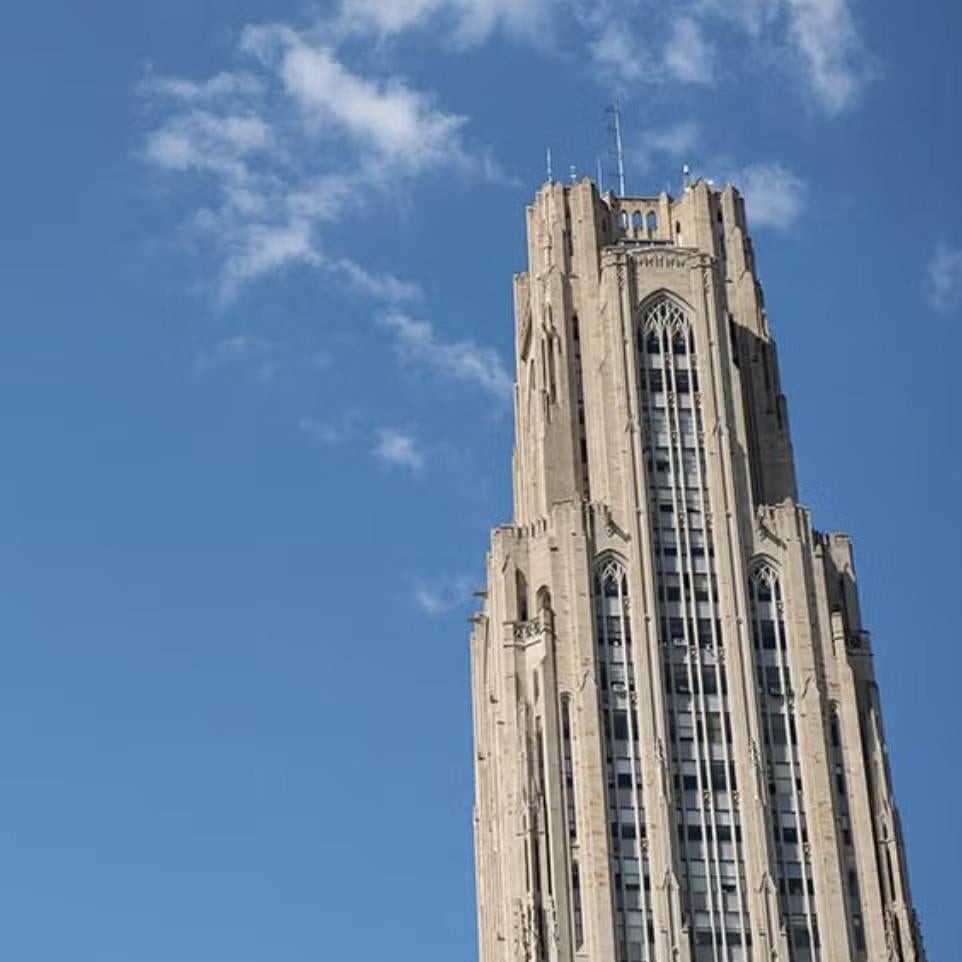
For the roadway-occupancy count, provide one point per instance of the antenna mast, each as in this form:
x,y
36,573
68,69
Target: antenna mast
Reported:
x,y
615,111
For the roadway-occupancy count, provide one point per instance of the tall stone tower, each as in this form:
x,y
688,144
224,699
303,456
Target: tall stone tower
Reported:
x,y
678,741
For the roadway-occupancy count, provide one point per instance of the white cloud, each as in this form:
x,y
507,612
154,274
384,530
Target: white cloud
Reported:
x,y
397,449
398,123
689,58
831,49
417,343
442,595
293,142
676,142
751,15
774,196
203,141
264,249
617,55
826,53
380,286
473,20
944,279
225,85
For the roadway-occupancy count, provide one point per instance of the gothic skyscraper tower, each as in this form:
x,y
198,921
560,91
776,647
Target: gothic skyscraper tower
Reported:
x,y
679,747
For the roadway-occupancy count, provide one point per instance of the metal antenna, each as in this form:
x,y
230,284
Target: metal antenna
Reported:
x,y
548,158
601,180
615,111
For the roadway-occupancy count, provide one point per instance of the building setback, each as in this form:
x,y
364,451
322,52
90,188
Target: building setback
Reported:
x,y
678,741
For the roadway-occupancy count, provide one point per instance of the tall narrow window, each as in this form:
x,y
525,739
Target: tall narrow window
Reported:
x,y
710,851
627,838
776,703
580,399
571,804
577,908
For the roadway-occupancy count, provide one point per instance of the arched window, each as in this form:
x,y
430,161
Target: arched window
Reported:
x,y
652,222
543,599
776,702
623,220
638,222
521,595
615,676
665,313
693,669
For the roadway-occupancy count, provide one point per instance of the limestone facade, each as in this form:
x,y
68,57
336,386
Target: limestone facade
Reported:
x,y
678,743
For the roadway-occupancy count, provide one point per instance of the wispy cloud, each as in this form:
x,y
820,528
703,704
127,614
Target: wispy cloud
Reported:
x,y
689,57
753,16
384,287
774,196
293,140
398,449
471,21
615,55
833,55
220,86
675,142
418,343
827,57
399,124
443,595
944,278
620,57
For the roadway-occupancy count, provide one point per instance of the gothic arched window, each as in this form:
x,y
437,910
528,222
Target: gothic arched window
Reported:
x,y
623,760
776,702
693,670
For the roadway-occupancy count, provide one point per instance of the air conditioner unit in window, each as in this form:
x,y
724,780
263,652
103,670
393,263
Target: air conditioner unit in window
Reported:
x,y
679,642
774,690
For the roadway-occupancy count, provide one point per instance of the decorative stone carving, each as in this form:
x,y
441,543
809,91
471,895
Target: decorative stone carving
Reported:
x,y
525,631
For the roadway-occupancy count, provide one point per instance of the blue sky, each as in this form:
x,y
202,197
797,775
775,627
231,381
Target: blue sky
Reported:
x,y
254,407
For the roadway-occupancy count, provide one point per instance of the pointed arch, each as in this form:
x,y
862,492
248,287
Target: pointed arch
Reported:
x,y
664,310
610,575
764,568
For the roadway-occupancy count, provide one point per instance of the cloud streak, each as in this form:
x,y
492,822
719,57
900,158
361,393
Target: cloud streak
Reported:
x,y
417,343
